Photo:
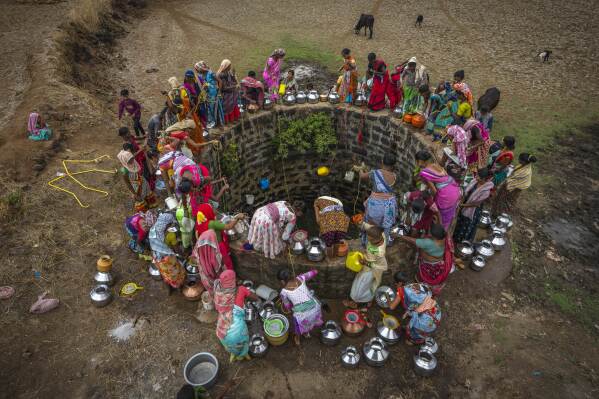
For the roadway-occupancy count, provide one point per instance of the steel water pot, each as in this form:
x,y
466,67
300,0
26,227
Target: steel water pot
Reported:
x,y
301,97
289,99
313,97
485,248
268,104
505,219
154,272
399,230
485,219
498,240
398,112
298,248
478,263
350,357
499,227
316,249
360,99
430,345
465,250
333,97
376,352
268,309
100,295
425,363
258,345
104,278
388,329
330,334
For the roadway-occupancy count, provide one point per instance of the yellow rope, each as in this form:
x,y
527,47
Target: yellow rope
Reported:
x,y
71,175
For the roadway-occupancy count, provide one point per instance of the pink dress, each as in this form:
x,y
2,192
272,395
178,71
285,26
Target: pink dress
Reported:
x,y
272,76
266,230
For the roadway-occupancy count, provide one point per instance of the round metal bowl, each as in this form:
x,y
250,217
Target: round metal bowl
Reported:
x,y
201,370
381,299
100,295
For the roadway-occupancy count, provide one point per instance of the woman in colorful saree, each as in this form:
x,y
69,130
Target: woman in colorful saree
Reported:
x,y
272,73
165,259
519,180
480,141
138,226
418,303
381,205
435,257
266,230
475,194
459,142
412,78
135,180
37,129
429,105
207,255
442,186
348,81
381,88
296,296
214,104
231,328
229,91
205,219
331,219
171,161
459,86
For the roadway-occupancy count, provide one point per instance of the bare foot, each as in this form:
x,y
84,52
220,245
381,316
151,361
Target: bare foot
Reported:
x,y
296,340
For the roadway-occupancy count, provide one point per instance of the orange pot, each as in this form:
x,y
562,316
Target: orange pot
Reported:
x,y
342,249
418,121
104,264
407,118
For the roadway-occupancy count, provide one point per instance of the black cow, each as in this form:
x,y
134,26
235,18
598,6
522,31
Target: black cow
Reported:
x,y
419,20
490,99
365,21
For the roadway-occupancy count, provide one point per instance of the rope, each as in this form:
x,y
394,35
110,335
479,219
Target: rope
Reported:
x,y
71,175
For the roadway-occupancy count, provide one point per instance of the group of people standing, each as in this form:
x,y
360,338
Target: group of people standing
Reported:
x,y
443,207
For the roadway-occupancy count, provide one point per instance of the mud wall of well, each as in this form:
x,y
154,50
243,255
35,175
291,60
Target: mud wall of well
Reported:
x,y
296,179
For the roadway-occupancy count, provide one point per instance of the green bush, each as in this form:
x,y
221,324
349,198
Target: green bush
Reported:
x,y
230,161
314,133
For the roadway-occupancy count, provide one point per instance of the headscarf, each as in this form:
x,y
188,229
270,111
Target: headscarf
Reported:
x,y
189,73
174,82
125,157
278,52
205,214
223,66
201,66
412,60
464,88
460,139
207,255
227,279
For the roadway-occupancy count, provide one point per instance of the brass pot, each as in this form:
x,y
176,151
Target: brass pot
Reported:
x,y
192,291
104,263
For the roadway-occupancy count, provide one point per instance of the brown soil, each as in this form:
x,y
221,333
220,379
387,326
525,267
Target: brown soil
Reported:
x,y
500,339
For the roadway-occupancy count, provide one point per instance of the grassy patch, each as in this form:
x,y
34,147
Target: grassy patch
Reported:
x,y
574,303
295,50
499,331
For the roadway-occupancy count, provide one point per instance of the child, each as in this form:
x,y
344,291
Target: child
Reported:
x,y
133,110
485,117
296,296
290,83
374,265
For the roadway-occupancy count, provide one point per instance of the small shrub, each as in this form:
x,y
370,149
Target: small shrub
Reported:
x,y
314,133
230,162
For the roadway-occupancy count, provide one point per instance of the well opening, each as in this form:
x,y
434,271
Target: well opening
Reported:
x,y
295,178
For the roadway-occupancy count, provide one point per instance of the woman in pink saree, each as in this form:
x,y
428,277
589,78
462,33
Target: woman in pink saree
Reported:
x,y
272,73
444,188
480,141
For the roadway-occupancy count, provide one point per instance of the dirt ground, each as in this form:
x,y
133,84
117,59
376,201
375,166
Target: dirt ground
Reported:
x,y
533,334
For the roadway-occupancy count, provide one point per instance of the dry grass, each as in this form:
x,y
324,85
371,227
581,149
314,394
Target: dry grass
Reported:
x,y
88,14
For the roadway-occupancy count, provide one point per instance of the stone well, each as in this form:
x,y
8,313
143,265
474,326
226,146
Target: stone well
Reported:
x,y
296,179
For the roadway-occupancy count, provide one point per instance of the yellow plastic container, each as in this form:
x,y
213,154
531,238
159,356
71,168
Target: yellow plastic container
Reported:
x,y
322,171
282,89
352,262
